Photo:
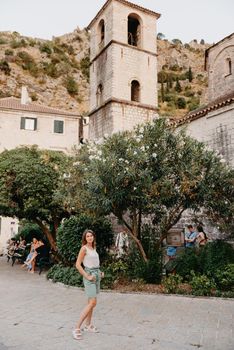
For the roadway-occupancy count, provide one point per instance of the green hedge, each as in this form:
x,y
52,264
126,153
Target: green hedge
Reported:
x,y
70,234
67,275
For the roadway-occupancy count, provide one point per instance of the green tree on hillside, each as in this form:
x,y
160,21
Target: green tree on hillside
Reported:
x,y
189,75
178,86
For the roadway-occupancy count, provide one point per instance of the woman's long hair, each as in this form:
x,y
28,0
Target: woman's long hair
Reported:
x,y
84,240
200,229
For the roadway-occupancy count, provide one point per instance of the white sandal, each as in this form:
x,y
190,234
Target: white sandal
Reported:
x,y
76,333
90,328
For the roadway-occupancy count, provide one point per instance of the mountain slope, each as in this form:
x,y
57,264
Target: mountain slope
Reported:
x,y
56,72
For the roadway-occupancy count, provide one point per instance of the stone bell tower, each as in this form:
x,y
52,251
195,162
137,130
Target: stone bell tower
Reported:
x,y
123,70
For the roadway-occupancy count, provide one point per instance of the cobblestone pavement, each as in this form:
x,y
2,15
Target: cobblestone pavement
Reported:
x,y
37,314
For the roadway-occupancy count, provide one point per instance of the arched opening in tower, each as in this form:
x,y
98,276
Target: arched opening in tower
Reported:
x,y
134,31
135,91
99,95
228,66
101,33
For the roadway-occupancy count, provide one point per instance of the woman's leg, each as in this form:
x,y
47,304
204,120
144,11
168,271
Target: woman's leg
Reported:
x,y
87,311
33,263
89,317
33,256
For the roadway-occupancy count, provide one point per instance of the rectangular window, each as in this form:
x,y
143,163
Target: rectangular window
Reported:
x,y
28,123
58,126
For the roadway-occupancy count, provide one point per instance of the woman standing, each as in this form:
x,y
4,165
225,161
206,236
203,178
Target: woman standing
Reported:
x,y
91,278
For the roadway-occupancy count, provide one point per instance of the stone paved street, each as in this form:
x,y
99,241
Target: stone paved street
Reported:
x,y
37,314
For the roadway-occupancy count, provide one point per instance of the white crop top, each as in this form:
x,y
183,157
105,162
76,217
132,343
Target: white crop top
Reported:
x,y
91,258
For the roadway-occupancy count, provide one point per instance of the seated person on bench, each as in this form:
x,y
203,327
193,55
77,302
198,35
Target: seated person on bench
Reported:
x,y
41,251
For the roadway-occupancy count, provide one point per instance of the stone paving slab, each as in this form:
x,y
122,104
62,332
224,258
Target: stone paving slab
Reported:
x,y
37,314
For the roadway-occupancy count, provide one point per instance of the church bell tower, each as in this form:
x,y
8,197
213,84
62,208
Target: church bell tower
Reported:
x,y
123,69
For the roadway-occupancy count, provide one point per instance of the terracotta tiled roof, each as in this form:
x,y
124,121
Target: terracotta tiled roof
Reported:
x,y
201,112
124,2
13,103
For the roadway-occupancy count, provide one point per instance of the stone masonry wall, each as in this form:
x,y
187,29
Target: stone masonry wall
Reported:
x,y
117,117
219,81
115,17
216,129
131,64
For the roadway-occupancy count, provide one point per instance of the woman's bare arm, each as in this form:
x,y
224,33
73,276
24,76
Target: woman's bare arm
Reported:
x,y
79,267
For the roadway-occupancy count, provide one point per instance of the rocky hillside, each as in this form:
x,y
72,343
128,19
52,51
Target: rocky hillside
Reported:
x,y
181,76
56,72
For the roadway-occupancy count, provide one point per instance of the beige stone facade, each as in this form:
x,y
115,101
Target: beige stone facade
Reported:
x,y
123,71
220,67
214,123
48,128
216,129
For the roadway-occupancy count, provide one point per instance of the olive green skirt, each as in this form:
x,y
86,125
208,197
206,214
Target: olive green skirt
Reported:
x,y
92,288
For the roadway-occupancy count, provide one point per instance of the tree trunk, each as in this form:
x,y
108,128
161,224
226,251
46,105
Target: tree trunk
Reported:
x,y
174,217
48,234
134,237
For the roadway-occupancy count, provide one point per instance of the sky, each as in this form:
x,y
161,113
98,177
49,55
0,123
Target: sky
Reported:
x,y
186,20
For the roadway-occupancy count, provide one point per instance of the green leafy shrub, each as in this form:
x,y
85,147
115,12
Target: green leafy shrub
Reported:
x,y
171,283
3,41
67,275
71,85
29,231
202,285
70,234
28,63
178,87
150,271
225,278
189,74
187,262
181,103
228,294
216,256
114,271
32,42
170,98
176,42
4,67
189,93
175,68
193,103
46,47
51,69
68,48
34,97
9,52
18,43
84,66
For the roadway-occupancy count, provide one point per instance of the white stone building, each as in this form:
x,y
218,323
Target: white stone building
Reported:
x,y
123,71
25,123
214,123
